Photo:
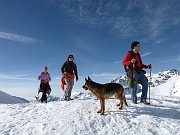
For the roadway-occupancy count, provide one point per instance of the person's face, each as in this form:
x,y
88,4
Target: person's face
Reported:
x,y
137,48
45,69
70,58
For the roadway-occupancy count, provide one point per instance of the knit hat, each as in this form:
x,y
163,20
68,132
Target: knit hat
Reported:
x,y
71,56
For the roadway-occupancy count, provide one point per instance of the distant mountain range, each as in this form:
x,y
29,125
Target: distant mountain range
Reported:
x,y
159,80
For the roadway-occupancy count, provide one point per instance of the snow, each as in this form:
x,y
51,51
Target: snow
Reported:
x,y
79,117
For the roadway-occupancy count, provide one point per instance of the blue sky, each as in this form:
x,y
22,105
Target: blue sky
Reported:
x,y
97,32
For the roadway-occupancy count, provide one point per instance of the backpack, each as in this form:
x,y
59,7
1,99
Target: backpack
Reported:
x,y
132,56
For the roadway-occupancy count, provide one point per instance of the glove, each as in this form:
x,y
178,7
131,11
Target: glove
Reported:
x,y
77,78
149,66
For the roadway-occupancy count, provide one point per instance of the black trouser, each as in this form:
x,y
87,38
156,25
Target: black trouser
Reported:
x,y
44,87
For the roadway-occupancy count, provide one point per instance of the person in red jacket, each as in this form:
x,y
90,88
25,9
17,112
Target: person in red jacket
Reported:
x,y
133,61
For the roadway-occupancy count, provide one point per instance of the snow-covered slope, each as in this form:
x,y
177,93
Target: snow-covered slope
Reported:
x,y
79,117
8,99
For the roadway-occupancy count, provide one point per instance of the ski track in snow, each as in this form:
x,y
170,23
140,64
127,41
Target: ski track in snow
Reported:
x,y
79,117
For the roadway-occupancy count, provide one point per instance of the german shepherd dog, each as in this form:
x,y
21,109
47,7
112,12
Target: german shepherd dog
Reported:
x,y
105,91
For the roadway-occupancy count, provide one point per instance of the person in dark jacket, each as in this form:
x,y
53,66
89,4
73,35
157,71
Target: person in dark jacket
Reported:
x,y
133,61
69,71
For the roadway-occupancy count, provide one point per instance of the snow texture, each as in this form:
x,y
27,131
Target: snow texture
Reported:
x,y
79,117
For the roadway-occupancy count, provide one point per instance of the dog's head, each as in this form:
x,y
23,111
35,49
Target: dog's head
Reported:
x,y
86,85
36,98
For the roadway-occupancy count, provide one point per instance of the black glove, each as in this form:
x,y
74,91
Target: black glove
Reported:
x,y
149,66
77,78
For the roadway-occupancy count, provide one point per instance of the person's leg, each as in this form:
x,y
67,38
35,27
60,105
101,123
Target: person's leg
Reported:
x,y
68,89
41,87
134,90
143,81
44,89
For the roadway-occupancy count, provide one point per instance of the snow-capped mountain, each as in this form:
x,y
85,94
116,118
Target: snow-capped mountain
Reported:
x,y
165,83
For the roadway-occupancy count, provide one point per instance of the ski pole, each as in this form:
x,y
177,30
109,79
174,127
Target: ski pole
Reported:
x,y
150,84
133,70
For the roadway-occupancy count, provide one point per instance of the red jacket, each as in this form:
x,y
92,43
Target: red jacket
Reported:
x,y
129,57
63,81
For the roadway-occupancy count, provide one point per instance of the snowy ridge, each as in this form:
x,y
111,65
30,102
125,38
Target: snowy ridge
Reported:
x,y
165,83
8,99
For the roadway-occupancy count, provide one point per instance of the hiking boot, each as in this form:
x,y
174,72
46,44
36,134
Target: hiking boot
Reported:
x,y
66,98
134,102
145,102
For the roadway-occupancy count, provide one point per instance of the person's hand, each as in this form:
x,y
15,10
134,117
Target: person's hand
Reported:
x,y
133,60
64,73
46,81
77,78
149,66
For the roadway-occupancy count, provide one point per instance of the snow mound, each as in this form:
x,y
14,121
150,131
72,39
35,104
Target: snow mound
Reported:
x,y
8,99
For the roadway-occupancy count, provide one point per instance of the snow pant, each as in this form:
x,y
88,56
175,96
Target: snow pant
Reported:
x,y
141,79
44,87
69,85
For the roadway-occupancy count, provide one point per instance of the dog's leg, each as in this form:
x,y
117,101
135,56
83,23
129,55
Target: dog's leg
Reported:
x,y
117,96
124,99
121,105
121,101
99,111
103,107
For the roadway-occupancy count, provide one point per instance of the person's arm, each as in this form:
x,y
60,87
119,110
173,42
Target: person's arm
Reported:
x,y
49,79
127,60
146,66
39,77
75,72
63,68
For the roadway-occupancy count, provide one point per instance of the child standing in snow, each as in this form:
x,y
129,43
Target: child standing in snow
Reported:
x,y
44,78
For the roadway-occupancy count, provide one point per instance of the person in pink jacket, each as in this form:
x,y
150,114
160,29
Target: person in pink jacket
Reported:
x,y
44,78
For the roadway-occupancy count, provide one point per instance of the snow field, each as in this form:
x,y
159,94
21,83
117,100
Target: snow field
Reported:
x,y
79,117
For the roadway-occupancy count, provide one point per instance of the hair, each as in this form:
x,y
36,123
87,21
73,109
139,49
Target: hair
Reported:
x,y
135,43
45,67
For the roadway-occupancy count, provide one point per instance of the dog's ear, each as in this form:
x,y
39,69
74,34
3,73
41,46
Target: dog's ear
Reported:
x,y
86,80
89,79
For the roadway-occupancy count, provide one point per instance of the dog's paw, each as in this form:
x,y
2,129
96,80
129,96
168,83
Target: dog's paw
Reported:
x,y
99,111
120,108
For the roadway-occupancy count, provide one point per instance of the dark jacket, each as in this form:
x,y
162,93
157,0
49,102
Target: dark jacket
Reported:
x,y
69,67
